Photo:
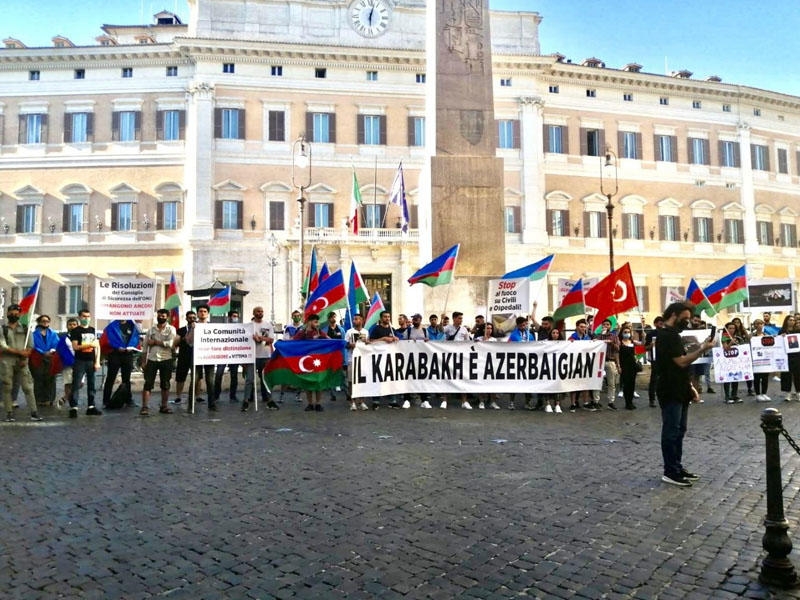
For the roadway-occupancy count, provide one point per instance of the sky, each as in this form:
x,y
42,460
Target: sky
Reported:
x,y
744,42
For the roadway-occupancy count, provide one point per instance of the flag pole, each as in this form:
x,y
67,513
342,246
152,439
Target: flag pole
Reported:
x,y
447,294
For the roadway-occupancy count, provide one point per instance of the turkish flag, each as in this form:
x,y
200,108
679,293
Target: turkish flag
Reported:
x,y
613,294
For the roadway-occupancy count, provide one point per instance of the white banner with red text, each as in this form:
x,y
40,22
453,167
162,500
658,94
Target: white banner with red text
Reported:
x,y
124,298
409,367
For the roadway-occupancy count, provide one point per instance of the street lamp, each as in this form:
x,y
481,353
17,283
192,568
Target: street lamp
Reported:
x,y
609,186
273,251
301,161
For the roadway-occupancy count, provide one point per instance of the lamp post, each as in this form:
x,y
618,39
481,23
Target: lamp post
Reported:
x,y
609,186
273,250
301,162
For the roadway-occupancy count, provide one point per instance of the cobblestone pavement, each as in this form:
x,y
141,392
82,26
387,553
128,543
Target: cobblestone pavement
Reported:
x,y
385,504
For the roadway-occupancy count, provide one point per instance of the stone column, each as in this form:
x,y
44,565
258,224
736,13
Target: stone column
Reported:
x,y
747,192
534,209
199,168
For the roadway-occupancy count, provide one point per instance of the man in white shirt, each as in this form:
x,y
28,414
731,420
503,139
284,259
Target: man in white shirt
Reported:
x,y
264,336
457,332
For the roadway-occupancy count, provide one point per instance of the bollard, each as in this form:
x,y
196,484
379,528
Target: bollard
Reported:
x,y
776,569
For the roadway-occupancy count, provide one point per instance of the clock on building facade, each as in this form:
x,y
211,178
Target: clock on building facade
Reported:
x,y
370,18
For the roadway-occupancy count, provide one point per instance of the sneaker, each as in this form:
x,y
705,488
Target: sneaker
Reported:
x,y
10,417
318,407
751,393
394,404
619,394
494,406
729,400
363,406
511,405
353,406
375,406
245,406
201,399
737,400
766,398
572,408
788,398
73,412
338,388
309,408
272,406
406,405
177,400
443,405
636,394
548,409
425,404
36,417
466,405
689,475
590,407
481,406
676,480
94,411
558,410
612,406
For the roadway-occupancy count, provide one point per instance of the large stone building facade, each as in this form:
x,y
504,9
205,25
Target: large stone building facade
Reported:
x,y
169,148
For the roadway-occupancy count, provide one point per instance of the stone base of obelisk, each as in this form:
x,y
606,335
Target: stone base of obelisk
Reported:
x,y
467,209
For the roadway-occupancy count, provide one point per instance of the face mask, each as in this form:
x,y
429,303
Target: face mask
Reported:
x,y
626,336
162,319
84,322
13,318
685,324
296,319
234,320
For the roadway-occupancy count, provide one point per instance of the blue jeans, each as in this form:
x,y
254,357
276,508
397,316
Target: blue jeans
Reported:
x,y
674,418
79,369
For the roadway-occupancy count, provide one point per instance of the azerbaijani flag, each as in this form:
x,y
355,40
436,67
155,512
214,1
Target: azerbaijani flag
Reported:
x,y
572,304
356,294
324,273
329,295
695,295
534,272
376,307
172,302
306,364
220,303
355,204
729,290
312,278
439,271
28,302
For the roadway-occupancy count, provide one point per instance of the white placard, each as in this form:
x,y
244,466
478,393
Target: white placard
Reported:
x,y
509,296
409,367
124,299
769,354
732,365
224,343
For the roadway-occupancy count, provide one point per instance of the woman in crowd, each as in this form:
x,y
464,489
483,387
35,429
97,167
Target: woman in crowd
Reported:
x,y
45,341
760,380
553,401
730,339
629,366
792,376
741,333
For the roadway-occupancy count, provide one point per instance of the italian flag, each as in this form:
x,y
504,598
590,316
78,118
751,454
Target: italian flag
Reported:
x,y
355,204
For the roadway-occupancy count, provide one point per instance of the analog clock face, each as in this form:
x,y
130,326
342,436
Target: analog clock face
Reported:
x,y
370,18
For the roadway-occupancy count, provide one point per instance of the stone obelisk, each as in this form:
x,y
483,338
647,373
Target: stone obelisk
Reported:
x,y
466,176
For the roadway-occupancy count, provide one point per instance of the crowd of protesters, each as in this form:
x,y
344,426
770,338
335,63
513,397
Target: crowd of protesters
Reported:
x,y
28,358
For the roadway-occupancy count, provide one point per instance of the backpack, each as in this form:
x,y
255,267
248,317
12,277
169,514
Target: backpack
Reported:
x,y
120,398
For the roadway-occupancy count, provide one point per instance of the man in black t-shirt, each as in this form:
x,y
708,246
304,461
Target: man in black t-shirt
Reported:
x,y
382,332
650,344
87,361
675,390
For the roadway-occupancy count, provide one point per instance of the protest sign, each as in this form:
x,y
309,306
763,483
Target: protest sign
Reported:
x,y
124,299
224,343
